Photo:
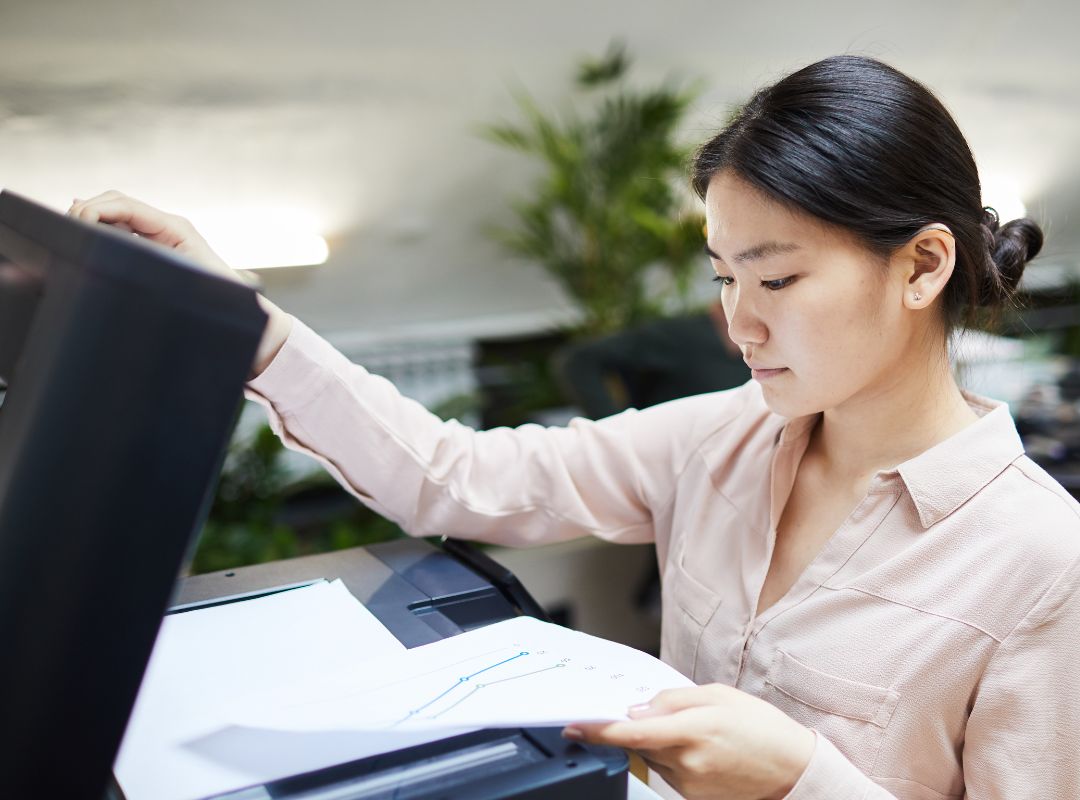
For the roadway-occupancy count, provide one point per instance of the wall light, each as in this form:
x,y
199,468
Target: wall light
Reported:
x,y
262,237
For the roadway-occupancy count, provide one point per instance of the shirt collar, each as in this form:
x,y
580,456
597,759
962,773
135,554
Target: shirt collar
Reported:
x,y
794,431
946,476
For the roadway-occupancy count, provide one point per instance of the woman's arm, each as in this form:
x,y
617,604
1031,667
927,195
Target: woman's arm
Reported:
x,y
1023,735
522,486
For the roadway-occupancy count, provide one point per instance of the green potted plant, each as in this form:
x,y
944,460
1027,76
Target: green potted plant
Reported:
x,y
610,206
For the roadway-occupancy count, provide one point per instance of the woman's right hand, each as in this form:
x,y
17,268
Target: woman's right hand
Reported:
x,y
175,232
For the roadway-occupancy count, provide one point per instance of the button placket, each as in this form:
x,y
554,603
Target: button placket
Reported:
x,y
747,632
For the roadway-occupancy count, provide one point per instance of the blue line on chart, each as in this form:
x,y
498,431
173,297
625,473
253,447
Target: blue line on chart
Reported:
x,y
378,688
463,679
480,686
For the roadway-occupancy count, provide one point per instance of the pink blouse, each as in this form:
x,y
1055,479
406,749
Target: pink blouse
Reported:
x,y
933,644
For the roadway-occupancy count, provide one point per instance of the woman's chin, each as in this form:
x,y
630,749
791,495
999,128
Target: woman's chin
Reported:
x,y
787,400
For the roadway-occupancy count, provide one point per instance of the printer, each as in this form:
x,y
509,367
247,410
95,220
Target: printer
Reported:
x,y
423,593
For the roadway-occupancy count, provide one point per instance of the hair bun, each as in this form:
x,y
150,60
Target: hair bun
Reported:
x,y
1011,246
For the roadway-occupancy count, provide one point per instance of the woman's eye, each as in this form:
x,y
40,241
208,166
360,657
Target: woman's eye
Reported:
x,y
777,284
726,280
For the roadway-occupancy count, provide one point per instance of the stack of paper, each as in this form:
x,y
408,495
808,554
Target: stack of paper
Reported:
x,y
518,672
249,692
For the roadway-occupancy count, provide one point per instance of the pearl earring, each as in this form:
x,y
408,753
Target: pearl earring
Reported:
x,y
916,297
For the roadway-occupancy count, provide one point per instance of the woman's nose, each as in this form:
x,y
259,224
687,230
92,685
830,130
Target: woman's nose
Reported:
x,y
745,325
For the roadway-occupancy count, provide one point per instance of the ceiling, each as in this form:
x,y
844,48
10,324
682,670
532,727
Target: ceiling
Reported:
x,y
364,114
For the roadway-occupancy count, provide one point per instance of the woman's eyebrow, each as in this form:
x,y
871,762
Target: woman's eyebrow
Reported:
x,y
758,251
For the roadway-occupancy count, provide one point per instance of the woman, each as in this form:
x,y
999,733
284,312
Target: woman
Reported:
x,y
876,589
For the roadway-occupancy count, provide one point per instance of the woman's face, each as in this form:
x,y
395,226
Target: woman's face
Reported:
x,y
817,317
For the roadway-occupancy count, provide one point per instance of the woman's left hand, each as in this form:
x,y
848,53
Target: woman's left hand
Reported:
x,y
711,741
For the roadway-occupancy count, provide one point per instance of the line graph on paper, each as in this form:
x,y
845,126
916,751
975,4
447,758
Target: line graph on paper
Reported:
x,y
482,678
471,684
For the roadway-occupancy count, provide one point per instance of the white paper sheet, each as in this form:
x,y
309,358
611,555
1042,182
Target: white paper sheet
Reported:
x,y
203,659
518,672
250,692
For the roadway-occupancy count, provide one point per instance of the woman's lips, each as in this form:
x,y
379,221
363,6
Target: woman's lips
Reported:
x,y
760,374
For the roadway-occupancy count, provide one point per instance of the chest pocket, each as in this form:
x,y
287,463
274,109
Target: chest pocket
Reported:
x,y
850,714
692,596
688,605
695,575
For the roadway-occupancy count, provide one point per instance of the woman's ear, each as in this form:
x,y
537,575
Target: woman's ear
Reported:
x,y
925,263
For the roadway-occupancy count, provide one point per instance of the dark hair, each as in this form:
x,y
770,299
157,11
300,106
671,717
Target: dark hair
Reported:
x,y
862,146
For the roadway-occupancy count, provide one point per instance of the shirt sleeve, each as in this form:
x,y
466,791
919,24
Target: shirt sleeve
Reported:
x,y
830,776
522,486
1022,735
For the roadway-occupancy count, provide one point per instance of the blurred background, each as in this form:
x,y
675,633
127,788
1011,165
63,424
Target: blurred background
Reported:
x,y
486,202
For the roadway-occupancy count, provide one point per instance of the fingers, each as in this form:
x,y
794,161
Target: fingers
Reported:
x,y
133,215
655,733
670,701
656,724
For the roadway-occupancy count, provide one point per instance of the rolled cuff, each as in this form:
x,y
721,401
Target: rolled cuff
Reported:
x,y
830,776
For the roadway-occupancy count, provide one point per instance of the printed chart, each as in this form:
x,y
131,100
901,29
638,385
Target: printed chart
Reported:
x,y
517,672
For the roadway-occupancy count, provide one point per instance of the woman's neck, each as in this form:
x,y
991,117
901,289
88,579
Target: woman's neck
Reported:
x,y
908,412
